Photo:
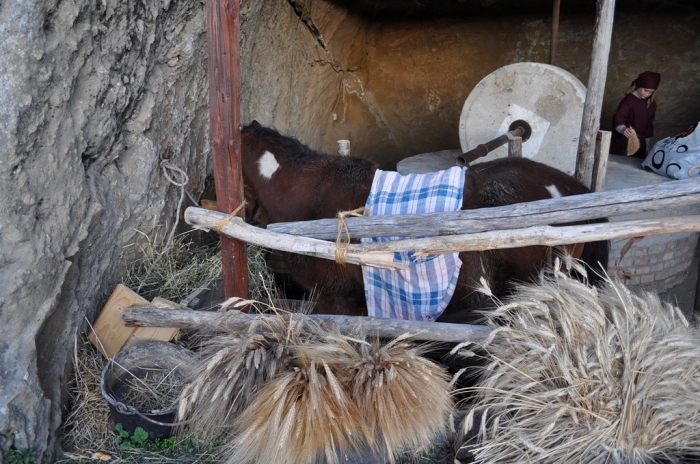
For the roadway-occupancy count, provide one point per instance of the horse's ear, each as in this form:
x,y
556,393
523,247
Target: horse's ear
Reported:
x,y
255,124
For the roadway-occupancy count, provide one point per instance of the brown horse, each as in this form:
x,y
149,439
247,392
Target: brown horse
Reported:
x,y
287,181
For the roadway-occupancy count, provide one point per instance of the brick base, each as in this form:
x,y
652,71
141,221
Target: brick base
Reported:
x,y
653,263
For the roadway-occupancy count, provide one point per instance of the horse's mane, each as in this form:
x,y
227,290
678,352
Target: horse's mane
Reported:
x,y
289,145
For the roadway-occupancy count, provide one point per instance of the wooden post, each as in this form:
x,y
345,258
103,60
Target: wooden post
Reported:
x,y
225,133
595,90
600,165
515,146
556,4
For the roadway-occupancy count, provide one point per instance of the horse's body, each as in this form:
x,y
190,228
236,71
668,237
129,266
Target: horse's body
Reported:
x,y
287,181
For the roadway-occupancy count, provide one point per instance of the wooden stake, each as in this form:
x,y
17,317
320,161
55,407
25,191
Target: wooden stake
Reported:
x,y
223,31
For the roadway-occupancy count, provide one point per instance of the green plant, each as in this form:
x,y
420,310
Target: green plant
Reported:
x,y
127,441
25,456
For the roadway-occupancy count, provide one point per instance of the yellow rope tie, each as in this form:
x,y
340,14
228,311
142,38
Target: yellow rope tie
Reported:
x,y
220,225
342,239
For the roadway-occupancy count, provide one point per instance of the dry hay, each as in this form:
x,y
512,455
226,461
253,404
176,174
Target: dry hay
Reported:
x,y
87,426
174,270
586,375
156,390
292,391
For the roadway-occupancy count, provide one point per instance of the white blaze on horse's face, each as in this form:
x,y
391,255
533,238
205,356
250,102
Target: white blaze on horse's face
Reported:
x,y
554,191
267,165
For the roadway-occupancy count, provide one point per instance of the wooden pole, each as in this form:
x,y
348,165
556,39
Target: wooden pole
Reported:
x,y
380,254
234,321
595,91
556,6
223,31
657,197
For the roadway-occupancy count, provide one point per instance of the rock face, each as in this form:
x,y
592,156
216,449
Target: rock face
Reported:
x,y
92,94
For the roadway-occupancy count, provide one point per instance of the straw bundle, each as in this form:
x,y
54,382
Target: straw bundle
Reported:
x,y
314,393
403,395
586,375
232,370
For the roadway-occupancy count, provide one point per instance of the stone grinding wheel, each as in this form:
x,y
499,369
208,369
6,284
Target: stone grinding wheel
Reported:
x,y
550,99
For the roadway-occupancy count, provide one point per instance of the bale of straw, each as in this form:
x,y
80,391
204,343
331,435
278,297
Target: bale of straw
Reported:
x,y
586,375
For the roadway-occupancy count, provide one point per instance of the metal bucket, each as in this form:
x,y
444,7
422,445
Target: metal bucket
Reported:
x,y
136,362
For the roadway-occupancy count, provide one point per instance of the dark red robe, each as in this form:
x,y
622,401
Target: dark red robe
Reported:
x,y
633,112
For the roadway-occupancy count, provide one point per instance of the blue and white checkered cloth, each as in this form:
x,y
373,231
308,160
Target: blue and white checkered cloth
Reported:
x,y
423,291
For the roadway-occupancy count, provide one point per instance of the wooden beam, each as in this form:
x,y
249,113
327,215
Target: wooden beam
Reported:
x,y
664,196
236,321
380,254
223,31
595,90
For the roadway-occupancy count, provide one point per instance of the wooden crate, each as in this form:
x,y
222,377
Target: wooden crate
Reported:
x,y
110,335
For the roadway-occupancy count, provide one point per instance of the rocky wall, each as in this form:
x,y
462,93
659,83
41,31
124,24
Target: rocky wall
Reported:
x,y
91,94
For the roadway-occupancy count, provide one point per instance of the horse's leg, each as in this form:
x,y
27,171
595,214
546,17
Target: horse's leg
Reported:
x,y
337,288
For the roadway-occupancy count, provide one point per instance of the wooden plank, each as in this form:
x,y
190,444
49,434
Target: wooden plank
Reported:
x,y
236,321
164,334
223,32
595,90
668,195
381,254
109,334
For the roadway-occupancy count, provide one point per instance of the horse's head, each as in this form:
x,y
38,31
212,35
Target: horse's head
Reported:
x,y
291,182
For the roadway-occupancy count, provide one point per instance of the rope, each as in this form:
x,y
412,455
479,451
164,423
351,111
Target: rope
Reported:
x,y
342,241
220,225
179,179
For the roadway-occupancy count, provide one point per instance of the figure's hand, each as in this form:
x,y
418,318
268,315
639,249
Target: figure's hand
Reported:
x,y
628,133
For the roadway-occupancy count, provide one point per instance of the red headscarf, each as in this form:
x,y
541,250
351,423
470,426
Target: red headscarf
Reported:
x,y
647,80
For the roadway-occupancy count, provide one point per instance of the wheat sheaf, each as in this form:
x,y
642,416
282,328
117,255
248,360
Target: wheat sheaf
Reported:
x,y
288,393
578,374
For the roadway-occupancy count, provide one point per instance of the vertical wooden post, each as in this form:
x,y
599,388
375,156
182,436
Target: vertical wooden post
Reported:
x,y
556,6
595,90
600,166
515,146
223,30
